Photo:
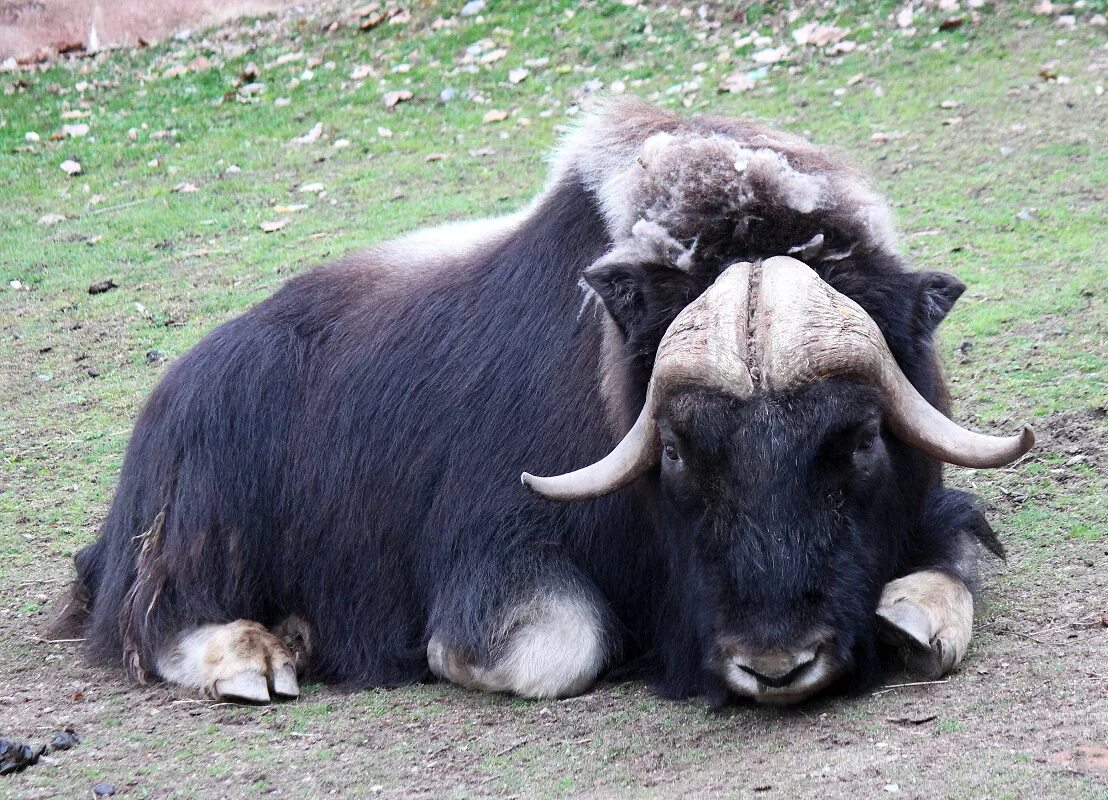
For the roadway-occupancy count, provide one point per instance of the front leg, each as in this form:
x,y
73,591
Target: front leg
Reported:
x,y
929,615
518,616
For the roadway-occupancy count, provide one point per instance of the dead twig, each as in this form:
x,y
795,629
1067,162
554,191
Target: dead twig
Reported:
x,y
119,206
894,686
56,641
1031,638
504,751
912,720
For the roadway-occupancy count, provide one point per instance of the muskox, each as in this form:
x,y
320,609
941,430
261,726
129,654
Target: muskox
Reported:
x,y
701,329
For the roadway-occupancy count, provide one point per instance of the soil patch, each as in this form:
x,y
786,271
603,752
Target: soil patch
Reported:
x,y
35,30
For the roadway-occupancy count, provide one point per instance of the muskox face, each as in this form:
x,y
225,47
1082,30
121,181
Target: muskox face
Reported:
x,y
788,503
775,417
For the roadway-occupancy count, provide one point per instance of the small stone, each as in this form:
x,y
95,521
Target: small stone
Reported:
x,y
447,94
51,219
472,8
493,56
770,55
339,144
313,188
393,99
103,789
152,357
495,115
71,167
32,137
518,75
311,136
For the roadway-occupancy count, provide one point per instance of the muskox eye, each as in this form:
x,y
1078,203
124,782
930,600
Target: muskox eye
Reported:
x,y
671,453
866,443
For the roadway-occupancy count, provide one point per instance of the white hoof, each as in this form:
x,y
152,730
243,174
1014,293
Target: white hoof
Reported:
x,y
248,686
284,682
238,661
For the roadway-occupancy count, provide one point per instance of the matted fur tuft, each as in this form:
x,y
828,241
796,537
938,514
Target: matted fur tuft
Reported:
x,y
677,191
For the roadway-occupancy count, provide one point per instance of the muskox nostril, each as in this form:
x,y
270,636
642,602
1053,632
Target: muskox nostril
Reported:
x,y
778,669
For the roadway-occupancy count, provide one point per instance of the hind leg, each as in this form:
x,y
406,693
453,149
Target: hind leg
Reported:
x,y
239,660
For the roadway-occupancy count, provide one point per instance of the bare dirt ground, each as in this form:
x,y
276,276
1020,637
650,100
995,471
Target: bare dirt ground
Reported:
x,y
33,29
1025,717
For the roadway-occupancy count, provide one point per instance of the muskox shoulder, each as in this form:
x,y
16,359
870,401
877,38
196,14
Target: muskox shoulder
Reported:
x,y
360,287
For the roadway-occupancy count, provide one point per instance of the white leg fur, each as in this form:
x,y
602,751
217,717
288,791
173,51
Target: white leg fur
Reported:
x,y
931,613
555,648
240,660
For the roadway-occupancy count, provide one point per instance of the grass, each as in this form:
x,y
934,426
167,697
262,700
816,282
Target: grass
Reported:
x,y
1010,198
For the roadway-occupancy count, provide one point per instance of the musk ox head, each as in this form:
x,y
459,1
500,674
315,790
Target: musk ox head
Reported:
x,y
777,423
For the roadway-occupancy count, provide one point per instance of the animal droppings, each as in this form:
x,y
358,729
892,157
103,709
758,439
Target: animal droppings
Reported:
x,y
64,740
103,286
17,756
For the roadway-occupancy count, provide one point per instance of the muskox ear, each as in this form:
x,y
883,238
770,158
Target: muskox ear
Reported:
x,y
642,298
622,288
937,294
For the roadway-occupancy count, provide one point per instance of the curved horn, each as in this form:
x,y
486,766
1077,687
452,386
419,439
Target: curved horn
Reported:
x,y
705,344
922,425
633,456
811,331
